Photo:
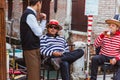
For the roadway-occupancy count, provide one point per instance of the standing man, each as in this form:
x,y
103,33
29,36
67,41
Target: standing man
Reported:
x,y
30,32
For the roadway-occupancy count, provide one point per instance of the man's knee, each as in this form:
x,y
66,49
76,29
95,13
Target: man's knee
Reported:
x,y
95,58
81,52
118,63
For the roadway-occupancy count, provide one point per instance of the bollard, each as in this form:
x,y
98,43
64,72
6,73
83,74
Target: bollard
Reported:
x,y
78,65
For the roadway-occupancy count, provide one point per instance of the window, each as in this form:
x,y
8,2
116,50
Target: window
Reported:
x,y
117,4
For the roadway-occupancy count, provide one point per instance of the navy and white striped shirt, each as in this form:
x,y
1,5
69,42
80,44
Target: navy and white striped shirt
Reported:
x,y
49,44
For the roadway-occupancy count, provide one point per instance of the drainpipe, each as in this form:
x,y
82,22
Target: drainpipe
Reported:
x,y
55,7
68,18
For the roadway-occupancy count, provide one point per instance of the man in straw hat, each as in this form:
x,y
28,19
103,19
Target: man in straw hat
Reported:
x,y
110,48
56,47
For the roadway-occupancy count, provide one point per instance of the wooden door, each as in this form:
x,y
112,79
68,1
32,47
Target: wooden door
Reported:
x,y
25,4
2,42
46,8
79,20
10,5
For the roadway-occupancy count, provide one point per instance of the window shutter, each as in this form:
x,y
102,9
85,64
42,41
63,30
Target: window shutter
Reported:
x,y
46,8
79,20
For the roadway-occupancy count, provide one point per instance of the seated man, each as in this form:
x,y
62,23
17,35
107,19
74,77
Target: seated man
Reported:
x,y
56,47
110,48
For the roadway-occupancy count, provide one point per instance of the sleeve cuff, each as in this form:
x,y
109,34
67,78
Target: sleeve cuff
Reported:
x,y
117,58
44,21
102,36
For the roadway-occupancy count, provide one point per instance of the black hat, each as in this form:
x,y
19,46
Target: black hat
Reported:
x,y
117,17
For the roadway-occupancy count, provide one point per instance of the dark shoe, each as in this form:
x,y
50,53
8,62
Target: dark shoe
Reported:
x,y
56,63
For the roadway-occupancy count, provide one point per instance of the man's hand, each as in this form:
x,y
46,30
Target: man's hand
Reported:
x,y
42,16
113,61
107,33
57,53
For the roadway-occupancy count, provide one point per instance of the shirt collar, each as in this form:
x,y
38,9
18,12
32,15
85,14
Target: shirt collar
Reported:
x,y
32,9
49,35
117,32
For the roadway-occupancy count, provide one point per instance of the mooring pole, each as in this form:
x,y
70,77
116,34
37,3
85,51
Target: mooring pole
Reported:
x,y
3,69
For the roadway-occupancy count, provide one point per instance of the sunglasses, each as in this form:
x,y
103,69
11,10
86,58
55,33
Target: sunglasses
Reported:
x,y
55,27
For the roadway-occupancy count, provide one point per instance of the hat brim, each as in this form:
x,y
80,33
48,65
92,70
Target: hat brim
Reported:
x,y
60,27
113,21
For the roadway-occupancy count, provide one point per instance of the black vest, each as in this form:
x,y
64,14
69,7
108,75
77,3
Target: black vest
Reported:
x,y
28,39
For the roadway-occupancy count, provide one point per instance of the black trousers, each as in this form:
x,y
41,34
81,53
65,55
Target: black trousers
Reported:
x,y
99,60
67,59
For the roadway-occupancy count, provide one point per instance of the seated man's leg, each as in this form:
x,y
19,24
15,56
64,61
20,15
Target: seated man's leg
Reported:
x,y
65,70
117,76
73,55
68,56
96,61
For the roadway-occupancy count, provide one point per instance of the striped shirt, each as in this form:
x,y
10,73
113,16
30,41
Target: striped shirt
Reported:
x,y
110,46
49,44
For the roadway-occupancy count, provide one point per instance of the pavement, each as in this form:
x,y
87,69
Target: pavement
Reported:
x,y
99,77
108,77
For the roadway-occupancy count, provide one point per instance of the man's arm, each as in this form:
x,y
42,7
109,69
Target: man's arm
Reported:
x,y
98,40
32,22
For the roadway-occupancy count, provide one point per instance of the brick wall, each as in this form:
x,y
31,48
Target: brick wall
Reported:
x,y
16,14
17,11
106,10
61,11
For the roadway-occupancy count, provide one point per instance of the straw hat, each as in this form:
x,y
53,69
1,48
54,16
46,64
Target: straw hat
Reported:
x,y
113,21
54,22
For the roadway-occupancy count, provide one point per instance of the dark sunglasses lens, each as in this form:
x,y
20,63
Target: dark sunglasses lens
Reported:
x,y
54,27
50,26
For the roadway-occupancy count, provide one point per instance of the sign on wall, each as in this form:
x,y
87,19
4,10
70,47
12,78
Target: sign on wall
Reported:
x,y
91,7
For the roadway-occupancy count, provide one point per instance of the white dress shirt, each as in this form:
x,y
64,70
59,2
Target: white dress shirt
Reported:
x,y
33,24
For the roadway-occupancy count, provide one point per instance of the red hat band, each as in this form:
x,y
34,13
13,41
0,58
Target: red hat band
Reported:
x,y
53,22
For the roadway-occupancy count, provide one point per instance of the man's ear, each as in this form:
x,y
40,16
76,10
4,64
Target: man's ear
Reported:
x,y
38,3
41,4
